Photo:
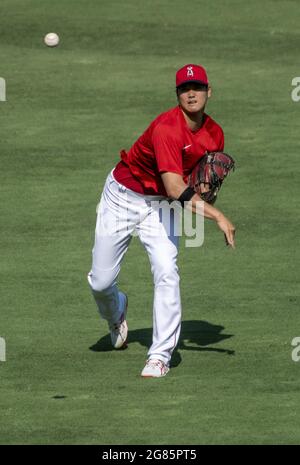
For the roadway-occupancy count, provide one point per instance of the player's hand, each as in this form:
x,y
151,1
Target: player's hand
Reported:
x,y
228,229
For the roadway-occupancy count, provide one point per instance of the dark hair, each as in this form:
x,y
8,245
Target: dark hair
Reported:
x,y
198,84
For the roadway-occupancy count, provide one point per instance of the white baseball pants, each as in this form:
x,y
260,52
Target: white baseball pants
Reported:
x,y
122,213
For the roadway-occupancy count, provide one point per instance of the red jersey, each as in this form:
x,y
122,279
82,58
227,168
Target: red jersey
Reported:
x,y
168,144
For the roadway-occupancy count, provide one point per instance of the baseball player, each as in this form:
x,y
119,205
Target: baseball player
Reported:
x,y
155,168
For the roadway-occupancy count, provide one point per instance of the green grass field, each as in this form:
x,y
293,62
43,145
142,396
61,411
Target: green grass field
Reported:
x,y
69,111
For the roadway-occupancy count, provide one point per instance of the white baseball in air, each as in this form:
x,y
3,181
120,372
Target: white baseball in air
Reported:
x,y
51,39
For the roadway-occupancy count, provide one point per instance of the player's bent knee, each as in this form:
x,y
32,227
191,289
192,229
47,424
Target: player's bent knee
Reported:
x,y
100,282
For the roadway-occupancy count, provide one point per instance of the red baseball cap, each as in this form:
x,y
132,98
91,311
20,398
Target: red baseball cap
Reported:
x,y
191,73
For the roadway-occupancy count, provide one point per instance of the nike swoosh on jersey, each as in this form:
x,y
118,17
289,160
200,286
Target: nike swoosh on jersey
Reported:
x,y
187,146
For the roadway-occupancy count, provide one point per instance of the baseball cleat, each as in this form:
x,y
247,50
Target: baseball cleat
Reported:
x,y
119,330
155,368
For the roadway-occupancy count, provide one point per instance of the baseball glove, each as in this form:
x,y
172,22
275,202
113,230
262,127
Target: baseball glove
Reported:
x,y
209,173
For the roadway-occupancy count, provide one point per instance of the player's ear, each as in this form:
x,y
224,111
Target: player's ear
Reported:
x,y
209,91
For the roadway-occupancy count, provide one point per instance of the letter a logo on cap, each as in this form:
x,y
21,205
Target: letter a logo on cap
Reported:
x,y
190,71
193,73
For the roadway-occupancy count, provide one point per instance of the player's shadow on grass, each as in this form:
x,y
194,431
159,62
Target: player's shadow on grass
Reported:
x,y
195,335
